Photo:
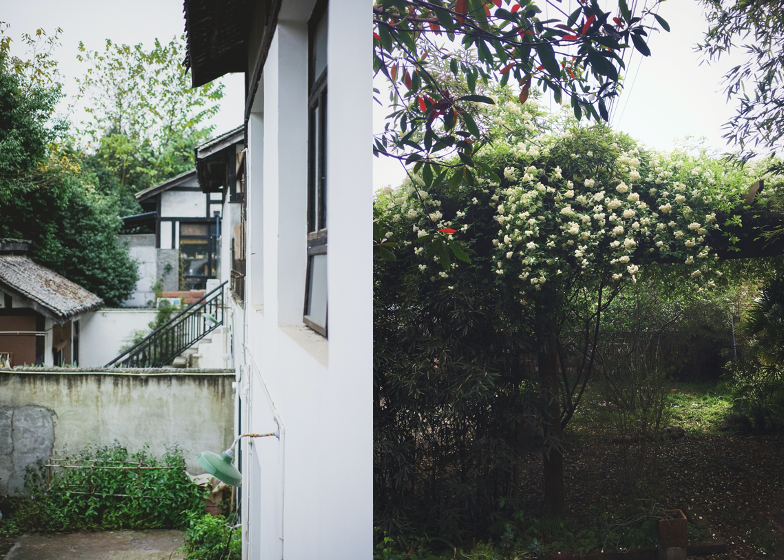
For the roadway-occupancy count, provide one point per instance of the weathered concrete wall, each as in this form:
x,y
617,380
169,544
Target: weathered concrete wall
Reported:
x,y
46,410
170,276
106,331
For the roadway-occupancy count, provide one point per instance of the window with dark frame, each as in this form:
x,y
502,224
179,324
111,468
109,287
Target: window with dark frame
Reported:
x,y
315,315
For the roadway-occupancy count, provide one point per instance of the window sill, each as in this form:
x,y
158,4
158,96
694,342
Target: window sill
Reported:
x,y
310,341
258,308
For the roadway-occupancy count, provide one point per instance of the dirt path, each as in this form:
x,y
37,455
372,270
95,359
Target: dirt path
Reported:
x,y
107,545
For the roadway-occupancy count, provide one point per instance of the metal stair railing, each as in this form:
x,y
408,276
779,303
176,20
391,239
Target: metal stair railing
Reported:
x,y
178,334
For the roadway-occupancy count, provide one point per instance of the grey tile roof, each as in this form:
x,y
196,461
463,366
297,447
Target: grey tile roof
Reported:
x,y
44,290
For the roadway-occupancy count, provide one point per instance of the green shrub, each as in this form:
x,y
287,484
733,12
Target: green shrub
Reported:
x,y
91,497
757,390
210,538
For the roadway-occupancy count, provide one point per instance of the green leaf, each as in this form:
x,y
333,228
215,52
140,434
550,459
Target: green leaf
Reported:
x,y
601,65
453,66
386,37
547,58
457,178
471,79
478,98
443,255
386,254
470,124
427,174
467,160
627,15
573,18
639,44
444,18
457,249
662,22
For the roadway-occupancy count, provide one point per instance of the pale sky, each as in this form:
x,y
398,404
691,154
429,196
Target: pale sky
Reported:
x,y
670,97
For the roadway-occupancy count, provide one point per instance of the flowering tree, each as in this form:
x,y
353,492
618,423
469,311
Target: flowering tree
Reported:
x,y
558,225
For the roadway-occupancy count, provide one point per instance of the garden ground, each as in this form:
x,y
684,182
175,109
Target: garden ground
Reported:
x,y
106,545
733,481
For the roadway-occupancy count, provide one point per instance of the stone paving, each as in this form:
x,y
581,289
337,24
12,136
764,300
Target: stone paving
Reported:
x,y
106,545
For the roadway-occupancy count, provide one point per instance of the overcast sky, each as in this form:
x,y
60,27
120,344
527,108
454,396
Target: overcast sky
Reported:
x,y
668,96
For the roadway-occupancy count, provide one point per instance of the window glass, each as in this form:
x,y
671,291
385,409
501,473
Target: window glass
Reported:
x,y
318,48
317,290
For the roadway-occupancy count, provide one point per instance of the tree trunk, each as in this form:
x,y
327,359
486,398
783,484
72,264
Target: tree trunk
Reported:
x,y
554,492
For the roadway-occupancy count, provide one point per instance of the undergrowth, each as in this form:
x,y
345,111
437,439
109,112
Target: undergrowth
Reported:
x,y
93,498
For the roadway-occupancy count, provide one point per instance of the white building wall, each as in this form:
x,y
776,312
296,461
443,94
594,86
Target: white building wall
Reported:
x,y
308,494
185,204
103,333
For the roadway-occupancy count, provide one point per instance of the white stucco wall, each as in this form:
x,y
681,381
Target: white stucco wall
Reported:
x,y
190,204
142,249
309,493
106,331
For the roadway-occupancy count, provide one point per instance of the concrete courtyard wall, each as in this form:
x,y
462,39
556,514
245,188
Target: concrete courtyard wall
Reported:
x,y
44,410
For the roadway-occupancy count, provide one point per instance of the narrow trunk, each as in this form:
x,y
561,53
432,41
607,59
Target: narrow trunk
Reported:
x,y
554,492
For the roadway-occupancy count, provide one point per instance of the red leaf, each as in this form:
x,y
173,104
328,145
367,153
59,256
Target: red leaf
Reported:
x,y
515,8
435,27
461,7
508,67
447,230
487,11
407,79
588,24
497,3
618,21
570,37
393,72
375,35
564,27
422,105
540,67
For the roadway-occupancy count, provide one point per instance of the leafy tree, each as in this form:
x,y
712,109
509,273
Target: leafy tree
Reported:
x,y
578,57
42,194
755,27
144,119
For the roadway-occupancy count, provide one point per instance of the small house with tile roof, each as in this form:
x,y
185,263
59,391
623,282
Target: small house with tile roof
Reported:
x,y
39,310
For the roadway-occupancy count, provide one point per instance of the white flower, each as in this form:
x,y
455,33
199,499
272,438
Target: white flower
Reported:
x,y
613,204
567,210
412,213
629,243
622,188
696,273
702,231
628,213
617,230
632,268
509,172
499,271
680,199
694,226
653,191
659,243
660,227
435,216
578,253
443,274
634,175
474,201
690,260
557,172
582,200
418,250
574,229
633,197
617,277
678,234
589,183
598,197
624,259
421,233
665,208
531,245
422,267
569,194
615,244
